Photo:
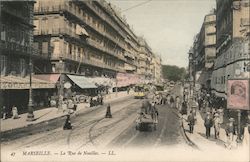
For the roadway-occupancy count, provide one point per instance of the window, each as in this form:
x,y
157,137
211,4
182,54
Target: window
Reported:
x,y
70,49
3,32
45,48
22,67
3,64
79,52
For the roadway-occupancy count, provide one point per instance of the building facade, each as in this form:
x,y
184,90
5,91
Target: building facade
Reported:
x,y
88,38
204,51
232,47
18,55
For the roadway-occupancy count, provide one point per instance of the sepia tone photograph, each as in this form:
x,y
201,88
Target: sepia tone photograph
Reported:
x,y
125,80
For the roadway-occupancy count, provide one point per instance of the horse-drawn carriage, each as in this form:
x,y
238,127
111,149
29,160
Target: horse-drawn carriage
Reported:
x,y
147,118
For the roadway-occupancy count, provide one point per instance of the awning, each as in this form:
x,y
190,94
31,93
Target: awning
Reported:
x,y
126,79
82,81
52,78
15,82
101,81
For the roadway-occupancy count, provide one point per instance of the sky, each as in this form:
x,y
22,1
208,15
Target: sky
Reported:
x,y
169,26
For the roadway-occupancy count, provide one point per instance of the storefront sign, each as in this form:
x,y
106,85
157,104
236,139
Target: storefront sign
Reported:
x,y
8,85
238,94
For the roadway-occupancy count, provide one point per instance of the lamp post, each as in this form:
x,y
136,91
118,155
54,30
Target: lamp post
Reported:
x,y
60,90
30,116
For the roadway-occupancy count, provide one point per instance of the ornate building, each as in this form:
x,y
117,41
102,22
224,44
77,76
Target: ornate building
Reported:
x,y
232,48
17,55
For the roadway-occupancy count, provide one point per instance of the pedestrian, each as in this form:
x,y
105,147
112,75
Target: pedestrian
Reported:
x,y
178,103
200,102
184,108
67,124
172,102
246,138
15,112
217,125
230,132
74,102
4,112
208,124
168,99
91,102
194,105
154,112
191,121
101,100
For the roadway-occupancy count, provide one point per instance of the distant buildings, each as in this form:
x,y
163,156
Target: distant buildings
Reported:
x,y
232,56
204,51
85,43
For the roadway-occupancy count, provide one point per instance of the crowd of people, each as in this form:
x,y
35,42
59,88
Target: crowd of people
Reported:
x,y
10,113
212,112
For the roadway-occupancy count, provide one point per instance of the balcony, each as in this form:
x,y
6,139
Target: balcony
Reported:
x,y
104,17
16,48
83,60
57,31
82,20
97,45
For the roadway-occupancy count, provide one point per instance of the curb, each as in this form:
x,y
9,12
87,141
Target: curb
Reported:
x,y
47,125
183,132
187,139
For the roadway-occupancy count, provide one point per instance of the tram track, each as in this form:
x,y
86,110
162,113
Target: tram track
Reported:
x,y
55,135
92,137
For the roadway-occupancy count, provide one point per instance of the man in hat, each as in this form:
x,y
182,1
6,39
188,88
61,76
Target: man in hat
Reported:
x,y
230,132
208,124
216,122
191,121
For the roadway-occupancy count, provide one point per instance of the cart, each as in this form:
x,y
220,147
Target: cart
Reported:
x,y
146,122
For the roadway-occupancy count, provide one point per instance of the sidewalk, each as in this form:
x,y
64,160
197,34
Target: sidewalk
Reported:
x,y
199,136
51,113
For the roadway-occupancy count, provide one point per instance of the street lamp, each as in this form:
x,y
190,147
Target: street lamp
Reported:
x,y
30,116
60,89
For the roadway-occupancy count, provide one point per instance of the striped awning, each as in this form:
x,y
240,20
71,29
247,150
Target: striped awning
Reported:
x,y
82,81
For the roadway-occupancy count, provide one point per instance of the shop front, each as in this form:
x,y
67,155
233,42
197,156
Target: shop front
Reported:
x,y
15,92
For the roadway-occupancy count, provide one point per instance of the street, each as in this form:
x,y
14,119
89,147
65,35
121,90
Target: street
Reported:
x,y
167,132
92,129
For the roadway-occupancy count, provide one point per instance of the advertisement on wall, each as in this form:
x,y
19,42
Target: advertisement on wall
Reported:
x,y
238,94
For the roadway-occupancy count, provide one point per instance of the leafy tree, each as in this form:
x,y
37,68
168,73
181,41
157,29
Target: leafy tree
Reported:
x,y
172,72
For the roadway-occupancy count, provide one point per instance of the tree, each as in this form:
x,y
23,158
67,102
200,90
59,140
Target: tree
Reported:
x,y
172,72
